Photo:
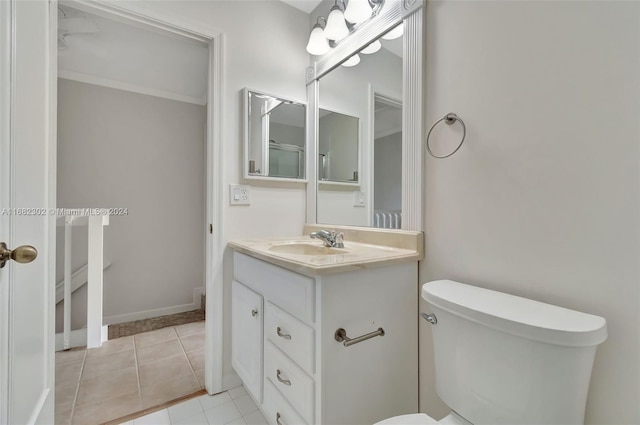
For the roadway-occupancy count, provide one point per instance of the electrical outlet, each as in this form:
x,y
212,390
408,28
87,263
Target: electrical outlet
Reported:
x,y
358,199
239,194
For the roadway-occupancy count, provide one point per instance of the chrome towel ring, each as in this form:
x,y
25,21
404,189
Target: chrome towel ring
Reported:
x,y
448,119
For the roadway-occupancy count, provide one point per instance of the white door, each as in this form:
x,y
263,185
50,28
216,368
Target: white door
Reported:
x,y
27,192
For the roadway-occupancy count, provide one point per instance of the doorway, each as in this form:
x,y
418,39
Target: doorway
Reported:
x,y
387,163
132,140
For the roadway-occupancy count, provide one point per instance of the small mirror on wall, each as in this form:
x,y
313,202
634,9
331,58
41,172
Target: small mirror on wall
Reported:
x,y
274,137
337,147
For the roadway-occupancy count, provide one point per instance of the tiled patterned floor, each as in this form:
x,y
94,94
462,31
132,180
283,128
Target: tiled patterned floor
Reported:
x,y
129,374
233,407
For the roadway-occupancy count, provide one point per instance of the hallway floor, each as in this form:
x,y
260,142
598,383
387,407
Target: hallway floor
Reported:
x,y
129,374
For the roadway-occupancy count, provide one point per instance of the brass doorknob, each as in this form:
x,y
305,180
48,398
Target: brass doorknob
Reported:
x,y
22,254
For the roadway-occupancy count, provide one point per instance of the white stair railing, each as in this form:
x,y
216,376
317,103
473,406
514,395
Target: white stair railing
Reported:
x,y
387,219
78,280
95,264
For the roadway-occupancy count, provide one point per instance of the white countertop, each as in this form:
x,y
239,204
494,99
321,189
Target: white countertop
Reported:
x,y
354,255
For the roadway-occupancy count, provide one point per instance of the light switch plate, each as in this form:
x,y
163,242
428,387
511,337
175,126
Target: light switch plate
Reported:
x,y
358,199
239,194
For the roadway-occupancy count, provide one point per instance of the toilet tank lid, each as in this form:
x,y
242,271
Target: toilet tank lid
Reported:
x,y
516,315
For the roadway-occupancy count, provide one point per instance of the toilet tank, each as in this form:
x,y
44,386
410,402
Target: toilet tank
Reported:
x,y
502,359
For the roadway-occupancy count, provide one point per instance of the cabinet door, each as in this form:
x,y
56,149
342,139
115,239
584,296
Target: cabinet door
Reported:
x,y
246,337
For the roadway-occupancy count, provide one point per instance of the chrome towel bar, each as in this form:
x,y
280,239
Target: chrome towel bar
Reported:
x,y
341,336
448,119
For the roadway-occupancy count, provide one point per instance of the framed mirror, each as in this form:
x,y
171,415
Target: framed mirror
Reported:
x,y
381,84
274,137
360,184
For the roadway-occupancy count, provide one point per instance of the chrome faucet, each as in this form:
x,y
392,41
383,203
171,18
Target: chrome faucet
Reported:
x,y
331,239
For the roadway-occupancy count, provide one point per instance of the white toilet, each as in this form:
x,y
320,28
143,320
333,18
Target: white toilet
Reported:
x,y
502,359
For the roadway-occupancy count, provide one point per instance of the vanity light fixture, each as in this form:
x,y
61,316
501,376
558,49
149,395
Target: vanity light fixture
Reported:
x,y
394,33
372,48
340,23
357,11
318,44
352,61
336,28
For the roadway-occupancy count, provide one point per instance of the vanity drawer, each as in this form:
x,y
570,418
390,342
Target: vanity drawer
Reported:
x,y
290,335
296,386
291,291
278,409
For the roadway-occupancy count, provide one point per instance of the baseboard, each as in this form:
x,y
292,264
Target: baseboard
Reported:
x,y
230,380
79,338
147,314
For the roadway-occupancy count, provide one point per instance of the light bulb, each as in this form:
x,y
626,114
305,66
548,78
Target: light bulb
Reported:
x,y
336,28
372,48
394,33
318,44
357,11
352,61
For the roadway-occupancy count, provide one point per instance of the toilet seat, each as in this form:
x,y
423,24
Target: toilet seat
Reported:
x,y
414,419
421,419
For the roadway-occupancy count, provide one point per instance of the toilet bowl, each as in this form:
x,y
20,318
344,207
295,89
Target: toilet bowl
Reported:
x,y
415,419
503,359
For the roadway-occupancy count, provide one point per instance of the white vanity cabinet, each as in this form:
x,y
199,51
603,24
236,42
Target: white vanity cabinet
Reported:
x,y
246,337
305,375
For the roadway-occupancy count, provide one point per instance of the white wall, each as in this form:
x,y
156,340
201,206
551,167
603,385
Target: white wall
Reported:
x,y
542,201
143,153
264,48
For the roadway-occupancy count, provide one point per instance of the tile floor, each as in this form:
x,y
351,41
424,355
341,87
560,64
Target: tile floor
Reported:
x,y
233,407
129,374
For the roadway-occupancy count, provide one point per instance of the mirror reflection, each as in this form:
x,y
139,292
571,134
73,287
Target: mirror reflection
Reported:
x,y
274,137
387,163
337,147
370,92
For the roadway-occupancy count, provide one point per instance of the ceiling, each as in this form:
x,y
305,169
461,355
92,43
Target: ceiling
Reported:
x,y
103,51
98,50
304,5
388,119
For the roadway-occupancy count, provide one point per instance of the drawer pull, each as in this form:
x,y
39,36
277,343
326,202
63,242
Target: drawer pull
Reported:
x,y
254,312
284,381
341,336
281,335
278,421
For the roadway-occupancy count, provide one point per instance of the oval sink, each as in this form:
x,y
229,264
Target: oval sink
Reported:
x,y
305,249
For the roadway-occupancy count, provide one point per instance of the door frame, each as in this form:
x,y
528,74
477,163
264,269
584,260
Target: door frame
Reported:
x,y
214,246
6,55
